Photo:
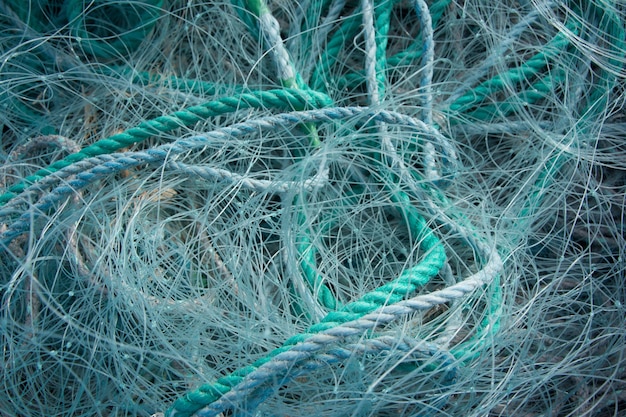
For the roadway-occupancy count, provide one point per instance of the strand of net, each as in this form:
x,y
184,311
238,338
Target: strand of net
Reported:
x,y
428,58
498,52
389,293
527,71
307,357
101,166
323,30
413,52
307,344
284,99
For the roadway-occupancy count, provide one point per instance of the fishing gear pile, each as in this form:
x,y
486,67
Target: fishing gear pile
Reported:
x,y
324,207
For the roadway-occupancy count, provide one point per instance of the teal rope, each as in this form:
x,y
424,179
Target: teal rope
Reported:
x,y
382,13
285,99
407,283
470,105
519,102
513,77
308,266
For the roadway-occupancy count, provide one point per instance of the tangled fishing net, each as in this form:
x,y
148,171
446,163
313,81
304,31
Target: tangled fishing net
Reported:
x,y
324,207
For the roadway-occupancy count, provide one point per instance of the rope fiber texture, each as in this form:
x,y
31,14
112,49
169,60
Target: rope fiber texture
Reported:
x,y
276,208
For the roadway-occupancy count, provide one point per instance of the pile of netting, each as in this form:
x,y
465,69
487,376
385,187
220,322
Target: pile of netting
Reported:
x,y
324,207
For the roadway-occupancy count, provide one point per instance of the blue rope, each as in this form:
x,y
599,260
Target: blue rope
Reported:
x,y
276,370
310,356
93,169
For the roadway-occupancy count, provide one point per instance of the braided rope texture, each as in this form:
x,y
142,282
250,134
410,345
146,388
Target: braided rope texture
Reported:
x,y
318,207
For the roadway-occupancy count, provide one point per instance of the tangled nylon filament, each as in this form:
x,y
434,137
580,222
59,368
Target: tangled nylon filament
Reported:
x,y
369,208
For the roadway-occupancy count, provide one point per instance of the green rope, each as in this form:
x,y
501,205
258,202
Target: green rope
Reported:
x,y
330,57
390,293
285,99
382,22
517,103
513,77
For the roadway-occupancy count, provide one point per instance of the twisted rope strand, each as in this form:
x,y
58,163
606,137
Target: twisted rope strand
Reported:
x,y
101,166
285,99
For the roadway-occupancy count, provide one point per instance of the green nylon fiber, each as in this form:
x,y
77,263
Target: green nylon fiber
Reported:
x,y
348,30
285,99
515,92
186,85
514,76
389,293
257,7
382,17
248,18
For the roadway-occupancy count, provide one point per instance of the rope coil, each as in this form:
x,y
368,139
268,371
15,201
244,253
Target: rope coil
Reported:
x,y
320,207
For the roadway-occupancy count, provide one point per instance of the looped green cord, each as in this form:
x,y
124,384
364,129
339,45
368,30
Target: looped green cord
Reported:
x,y
389,293
285,99
469,105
